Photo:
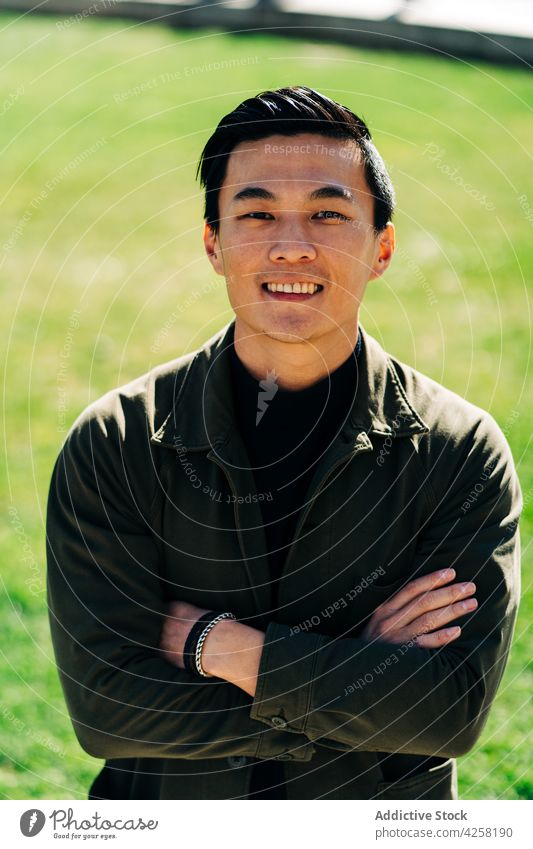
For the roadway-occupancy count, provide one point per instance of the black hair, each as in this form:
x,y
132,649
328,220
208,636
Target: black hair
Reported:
x,y
290,111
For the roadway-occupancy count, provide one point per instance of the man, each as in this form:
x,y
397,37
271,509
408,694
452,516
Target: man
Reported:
x,y
342,506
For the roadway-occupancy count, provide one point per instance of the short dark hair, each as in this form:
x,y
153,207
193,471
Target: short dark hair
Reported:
x,y
290,111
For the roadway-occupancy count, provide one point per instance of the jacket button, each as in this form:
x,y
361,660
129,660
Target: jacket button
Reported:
x,y
279,722
237,760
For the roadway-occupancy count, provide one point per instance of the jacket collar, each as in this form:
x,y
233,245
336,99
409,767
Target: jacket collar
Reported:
x,y
203,414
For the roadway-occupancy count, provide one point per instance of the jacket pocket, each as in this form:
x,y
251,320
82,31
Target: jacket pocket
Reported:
x,y
439,782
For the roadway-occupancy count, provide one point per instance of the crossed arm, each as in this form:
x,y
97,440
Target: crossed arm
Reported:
x,y
232,651
119,649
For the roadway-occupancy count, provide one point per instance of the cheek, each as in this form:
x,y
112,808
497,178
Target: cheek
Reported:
x,y
347,295
357,240
240,260
242,264
236,238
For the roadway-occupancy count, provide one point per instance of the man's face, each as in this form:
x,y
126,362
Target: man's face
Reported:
x,y
297,210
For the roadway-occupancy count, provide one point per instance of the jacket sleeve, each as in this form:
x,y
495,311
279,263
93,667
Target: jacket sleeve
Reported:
x,y
106,606
374,696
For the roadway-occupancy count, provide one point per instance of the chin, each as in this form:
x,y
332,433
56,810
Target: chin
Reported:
x,y
292,327
279,336
290,332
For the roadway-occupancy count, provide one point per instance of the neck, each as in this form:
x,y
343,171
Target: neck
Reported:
x,y
297,365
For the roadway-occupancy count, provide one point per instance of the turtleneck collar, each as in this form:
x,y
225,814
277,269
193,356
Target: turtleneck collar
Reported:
x,y
325,386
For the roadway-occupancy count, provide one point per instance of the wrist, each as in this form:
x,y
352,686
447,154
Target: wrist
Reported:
x,y
213,619
232,651
215,647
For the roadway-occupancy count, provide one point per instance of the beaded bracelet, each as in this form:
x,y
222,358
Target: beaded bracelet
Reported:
x,y
201,640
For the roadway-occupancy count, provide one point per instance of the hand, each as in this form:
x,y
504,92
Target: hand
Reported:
x,y
177,624
419,610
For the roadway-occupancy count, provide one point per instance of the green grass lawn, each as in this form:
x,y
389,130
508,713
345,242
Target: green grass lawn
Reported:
x,y
103,275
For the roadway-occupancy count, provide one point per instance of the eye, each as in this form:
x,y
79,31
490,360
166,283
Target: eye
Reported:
x,y
255,215
328,214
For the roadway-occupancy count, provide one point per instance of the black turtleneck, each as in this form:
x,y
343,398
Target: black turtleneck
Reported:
x,y
285,432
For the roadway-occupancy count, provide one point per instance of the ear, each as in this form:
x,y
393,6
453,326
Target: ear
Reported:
x,y
384,251
212,249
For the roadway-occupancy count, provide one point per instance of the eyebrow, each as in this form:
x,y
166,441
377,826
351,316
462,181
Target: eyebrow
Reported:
x,y
258,193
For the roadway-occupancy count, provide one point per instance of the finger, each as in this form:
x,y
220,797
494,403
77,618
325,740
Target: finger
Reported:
x,y
173,609
437,618
438,638
391,630
165,638
432,601
181,611
172,657
417,586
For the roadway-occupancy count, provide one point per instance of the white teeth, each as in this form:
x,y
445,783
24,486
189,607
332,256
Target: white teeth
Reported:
x,y
294,288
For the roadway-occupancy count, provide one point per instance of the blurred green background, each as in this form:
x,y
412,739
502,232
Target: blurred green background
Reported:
x,y
103,275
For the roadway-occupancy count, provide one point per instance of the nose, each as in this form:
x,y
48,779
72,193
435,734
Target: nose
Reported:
x,y
291,246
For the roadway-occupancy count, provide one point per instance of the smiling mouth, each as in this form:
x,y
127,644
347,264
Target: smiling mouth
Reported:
x,y
296,290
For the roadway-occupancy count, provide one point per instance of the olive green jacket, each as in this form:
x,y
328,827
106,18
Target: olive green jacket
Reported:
x,y
152,499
